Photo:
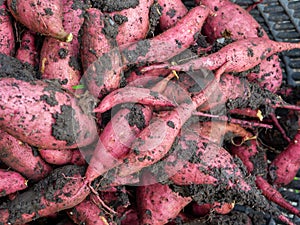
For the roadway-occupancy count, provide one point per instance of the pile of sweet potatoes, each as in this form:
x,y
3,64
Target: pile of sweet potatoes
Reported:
x,y
143,112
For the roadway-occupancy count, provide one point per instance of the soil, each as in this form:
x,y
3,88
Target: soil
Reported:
x,y
114,5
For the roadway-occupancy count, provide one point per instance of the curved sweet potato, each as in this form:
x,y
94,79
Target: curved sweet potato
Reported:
x,y
44,17
10,182
7,41
22,158
43,115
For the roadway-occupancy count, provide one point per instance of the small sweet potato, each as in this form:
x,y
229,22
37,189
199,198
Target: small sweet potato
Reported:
x,y
41,114
7,41
22,158
10,182
44,17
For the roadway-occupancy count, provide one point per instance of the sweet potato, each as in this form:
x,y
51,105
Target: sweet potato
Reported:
x,y
11,182
285,166
129,30
22,158
135,95
238,56
171,12
57,156
157,203
7,41
169,43
252,159
112,145
206,208
27,52
232,20
44,17
87,213
149,149
100,61
59,60
62,189
41,114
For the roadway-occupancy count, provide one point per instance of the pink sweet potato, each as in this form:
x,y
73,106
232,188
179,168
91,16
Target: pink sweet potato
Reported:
x,y
87,213
130,30
206,208
169,43
59,60
149,148
7,41
232,20
11,182
114,145
285,166
158,203
62,189
172,11
101,63
27,52
43,115
44,17
135,95
57,156
22,158
252,158
238,56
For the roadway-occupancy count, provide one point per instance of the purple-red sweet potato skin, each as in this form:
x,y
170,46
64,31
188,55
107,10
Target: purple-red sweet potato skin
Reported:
x,y
87,213
157,203
56,156
102,64
27,52
94,42
21,157
43,115
44,17
169,43
137,24
7,40
285,166
62,189
115,140
10,182
172,11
